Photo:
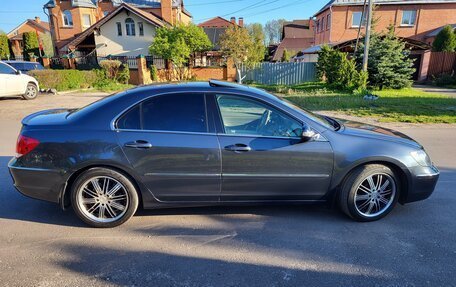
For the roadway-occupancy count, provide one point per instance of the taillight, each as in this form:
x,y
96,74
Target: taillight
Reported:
x,y
25,145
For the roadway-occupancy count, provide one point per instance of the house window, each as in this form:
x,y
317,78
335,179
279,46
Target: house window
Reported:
x,y
328,21
67,18
322,25
408,18
141,28
105,13
318,26
356,19
86,21
119,29
130,27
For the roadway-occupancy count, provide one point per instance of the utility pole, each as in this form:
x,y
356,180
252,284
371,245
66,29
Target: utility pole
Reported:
x,y
368,32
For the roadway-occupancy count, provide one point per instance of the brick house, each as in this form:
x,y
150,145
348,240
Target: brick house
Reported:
x,y
214,28
297,35
339,20
69,18
41,28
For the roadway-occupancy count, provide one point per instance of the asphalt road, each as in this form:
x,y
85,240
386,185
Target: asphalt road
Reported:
x,y
40,245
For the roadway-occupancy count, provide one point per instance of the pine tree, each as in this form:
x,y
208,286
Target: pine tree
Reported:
x,y
4,47
31,44
389,65
445,41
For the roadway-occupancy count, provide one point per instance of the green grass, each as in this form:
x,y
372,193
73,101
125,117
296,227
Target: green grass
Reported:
x,y
405,105
113,87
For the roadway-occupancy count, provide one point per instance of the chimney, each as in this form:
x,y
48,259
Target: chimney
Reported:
x,y
233,20
37,20
241,21
167,11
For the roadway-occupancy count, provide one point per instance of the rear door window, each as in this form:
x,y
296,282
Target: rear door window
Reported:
x,y
173,112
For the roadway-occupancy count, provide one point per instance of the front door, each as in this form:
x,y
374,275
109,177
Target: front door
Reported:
x,y
167,141
263,156
10,82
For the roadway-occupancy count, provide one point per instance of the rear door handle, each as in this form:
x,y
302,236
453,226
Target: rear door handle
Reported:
x,y
139,144
238,148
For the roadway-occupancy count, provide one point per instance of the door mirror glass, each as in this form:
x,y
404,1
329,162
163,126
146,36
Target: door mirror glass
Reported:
x,y
18,72
307,133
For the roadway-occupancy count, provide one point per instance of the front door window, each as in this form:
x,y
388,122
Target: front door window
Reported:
x,y
243,116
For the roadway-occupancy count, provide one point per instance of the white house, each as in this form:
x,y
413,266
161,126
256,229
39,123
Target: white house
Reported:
x,y
126,31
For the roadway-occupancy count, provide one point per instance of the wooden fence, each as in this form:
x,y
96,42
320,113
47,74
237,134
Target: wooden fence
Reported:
x,y
441,63
280,73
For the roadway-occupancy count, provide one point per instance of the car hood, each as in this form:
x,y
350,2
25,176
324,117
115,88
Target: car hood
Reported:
x,y
375,132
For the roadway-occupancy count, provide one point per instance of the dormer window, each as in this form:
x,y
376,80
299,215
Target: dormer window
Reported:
x,y
67,19
130,27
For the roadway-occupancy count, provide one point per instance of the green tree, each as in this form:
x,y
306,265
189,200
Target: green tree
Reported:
x,y
286,56
389,65
258,51
236,44
338,70
445,41
4,46
31,44
273,31
46,39
178,44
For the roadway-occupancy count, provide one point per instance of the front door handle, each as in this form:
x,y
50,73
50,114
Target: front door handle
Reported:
x,y
238,148
139,144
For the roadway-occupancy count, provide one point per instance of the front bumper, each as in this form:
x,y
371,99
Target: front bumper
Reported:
x,y
422,183
44,184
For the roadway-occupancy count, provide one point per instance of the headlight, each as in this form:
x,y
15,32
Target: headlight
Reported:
x,y
421,158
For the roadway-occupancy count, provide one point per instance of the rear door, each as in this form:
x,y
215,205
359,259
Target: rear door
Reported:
x,y
168,141
263,156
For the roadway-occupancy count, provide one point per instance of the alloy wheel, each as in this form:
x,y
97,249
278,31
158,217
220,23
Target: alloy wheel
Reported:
x,y
31,92
375,194
103,199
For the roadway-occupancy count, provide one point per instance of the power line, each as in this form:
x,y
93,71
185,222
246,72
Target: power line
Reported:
x,y
254,5
276,8
210,3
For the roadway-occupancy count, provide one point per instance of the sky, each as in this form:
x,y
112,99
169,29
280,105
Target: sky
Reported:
x,y
13,13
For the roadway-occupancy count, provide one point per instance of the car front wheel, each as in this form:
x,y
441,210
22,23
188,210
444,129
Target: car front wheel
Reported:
x,y
31,92
369,193
103,197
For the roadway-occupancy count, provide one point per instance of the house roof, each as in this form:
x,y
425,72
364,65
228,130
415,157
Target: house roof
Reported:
x,y
297,29
216,22
42,25
149,17
436,31
214,33
292,44
380,2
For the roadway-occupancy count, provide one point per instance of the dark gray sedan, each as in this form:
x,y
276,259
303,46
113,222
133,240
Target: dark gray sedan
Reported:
x,y
212,143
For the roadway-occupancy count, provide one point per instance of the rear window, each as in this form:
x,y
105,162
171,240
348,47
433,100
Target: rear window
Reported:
x,y
175,112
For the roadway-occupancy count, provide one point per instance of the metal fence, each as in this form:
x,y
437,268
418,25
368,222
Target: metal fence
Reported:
x,y
280,73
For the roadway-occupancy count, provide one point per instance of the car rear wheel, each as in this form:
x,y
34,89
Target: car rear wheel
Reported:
x,y
103,197
369,193
31,92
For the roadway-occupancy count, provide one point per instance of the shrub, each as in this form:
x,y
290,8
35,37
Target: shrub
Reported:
x,y
339,71
444,80
62,80
153,73
31,44
115,71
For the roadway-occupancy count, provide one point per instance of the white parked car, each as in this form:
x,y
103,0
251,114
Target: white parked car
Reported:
x,y
14,83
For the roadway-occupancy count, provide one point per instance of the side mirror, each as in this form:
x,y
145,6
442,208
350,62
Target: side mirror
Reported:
x,y
18,72
307,134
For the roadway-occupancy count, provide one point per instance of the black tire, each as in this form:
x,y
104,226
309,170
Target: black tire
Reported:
x,y
351,189
31,92
82,210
